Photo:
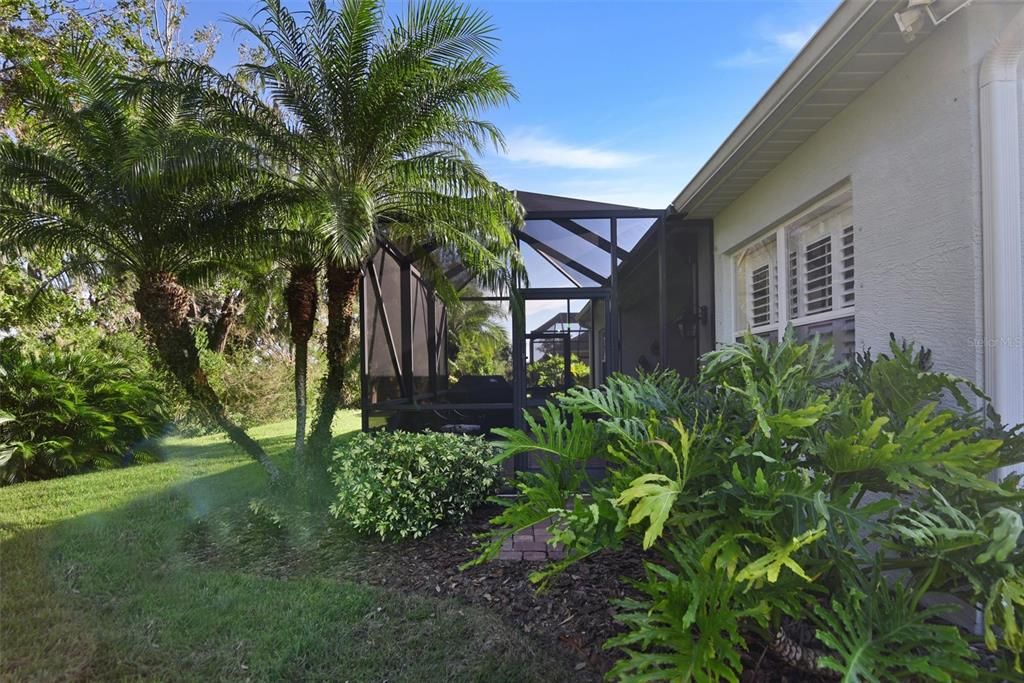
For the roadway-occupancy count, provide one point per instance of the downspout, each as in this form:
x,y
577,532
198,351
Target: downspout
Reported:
x,y
1001,223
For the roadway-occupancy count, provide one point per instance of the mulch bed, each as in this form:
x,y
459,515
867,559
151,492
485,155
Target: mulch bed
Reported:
x,y
574,610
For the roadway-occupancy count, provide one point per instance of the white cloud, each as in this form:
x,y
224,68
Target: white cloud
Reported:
x,y
629,189
652,184
749,57
775,46
793,41
539,149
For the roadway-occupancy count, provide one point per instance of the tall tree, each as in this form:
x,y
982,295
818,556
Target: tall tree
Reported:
x,y
302,298
478,336
124,173
380,120
136,31
302,252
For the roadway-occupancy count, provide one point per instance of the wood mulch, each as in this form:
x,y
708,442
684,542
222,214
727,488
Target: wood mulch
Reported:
x,y
574,610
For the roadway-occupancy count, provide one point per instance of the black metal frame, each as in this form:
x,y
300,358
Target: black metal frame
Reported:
x,y
520,336
604,293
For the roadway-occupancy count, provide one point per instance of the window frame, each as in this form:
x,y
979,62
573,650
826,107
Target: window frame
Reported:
x,y
782,296
757,247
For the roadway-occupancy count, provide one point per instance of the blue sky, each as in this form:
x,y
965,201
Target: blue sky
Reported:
x,y
619,101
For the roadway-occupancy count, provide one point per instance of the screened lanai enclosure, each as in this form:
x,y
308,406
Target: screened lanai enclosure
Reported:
x,y
608,288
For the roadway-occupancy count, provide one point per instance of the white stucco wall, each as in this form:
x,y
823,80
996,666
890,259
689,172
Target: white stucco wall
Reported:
x,y
910,149
1020,109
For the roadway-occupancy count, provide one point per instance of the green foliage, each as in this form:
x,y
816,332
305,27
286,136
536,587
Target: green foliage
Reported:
x,y
550,371
254,386
375,120
139,32
401,484
57,298
1004,611
383,118
101,559
883,634
75,408
903,380
479,340
486,356
769,490
654,495
691,597
124,171
6,449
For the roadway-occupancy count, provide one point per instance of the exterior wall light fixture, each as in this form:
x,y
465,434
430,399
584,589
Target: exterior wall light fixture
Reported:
x,y
912,17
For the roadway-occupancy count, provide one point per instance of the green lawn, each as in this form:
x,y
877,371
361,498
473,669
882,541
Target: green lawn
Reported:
x,y
97,582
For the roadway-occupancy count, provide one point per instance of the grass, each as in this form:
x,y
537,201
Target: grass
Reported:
x,y
98,584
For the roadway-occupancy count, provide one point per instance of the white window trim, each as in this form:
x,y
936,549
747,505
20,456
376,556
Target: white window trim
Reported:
x,y
833,202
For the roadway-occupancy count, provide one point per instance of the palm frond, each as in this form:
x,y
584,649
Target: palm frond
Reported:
x,y
382,123
125,171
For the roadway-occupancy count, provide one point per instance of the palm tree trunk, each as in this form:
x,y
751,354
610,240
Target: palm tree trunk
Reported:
x,y
301,296
301,397
342,295
221,329
163,305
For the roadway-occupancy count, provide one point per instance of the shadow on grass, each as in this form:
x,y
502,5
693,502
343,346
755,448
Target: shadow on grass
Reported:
x,y
118,593
278,447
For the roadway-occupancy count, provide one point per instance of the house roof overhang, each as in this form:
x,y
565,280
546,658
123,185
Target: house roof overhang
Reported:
x,y
855,47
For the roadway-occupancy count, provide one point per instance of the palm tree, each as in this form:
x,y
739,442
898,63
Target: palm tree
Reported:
x,y
377,120
480,340
289,276
125,174
302,253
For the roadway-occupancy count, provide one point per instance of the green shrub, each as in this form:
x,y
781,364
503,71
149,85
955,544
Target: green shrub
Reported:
x,y
777,490
6,448
550,372
400,484
75,408
255,387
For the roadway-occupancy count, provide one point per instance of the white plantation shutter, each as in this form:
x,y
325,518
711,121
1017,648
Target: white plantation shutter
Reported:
x,y
761,296
845,337
794,285
821,264
756,286
815,265
846,274
840,331
818,276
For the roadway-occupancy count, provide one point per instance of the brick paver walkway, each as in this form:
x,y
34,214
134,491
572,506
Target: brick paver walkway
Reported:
x,y
531,545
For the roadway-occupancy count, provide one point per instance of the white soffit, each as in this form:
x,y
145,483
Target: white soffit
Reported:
x,y
858,44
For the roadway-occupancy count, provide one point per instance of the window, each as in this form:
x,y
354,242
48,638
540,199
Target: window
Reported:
x,y
847,265
818,274
756,285
761,296
794,295
815,266
821,263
